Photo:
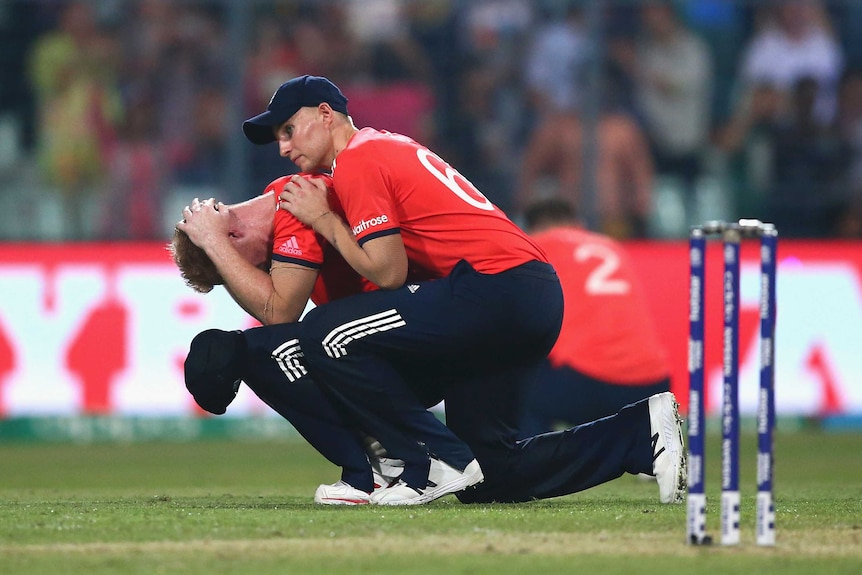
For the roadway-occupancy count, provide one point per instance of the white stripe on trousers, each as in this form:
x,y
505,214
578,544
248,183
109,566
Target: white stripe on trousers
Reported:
x,y
289,358
335,342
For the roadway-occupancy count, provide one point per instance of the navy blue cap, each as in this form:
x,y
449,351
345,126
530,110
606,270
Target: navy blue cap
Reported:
x,y
287,100
213,367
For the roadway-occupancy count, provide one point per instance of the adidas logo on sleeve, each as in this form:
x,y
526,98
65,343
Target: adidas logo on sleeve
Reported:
x,y
290,247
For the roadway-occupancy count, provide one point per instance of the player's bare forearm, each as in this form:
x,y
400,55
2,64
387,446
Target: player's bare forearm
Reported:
x,y
251,288
383,261
276,297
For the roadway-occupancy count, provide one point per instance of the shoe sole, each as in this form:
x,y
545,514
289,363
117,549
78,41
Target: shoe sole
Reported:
x,y
321,499
682,472
678,462
333,501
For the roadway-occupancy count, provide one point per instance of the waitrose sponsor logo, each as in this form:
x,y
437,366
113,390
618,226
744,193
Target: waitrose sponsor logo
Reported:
x,y
370,223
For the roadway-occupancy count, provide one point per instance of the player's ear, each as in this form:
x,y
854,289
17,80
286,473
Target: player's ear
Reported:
x,y
326,113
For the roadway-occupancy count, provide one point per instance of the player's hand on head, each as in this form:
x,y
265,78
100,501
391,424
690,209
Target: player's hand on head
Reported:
x,y
206,223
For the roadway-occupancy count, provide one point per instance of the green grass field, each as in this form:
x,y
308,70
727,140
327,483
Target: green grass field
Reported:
x,y
245,507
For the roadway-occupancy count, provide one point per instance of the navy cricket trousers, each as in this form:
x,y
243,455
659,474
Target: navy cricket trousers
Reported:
x,y
272,369
562,396
476,340
391,353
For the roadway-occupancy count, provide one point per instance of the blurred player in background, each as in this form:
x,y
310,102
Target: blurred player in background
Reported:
x,y
608,354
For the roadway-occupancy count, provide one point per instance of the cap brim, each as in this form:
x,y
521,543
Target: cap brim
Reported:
x,y
259,130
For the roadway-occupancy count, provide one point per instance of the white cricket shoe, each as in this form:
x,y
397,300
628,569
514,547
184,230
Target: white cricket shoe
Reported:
x,y
668,452
443,479
386,471
340,493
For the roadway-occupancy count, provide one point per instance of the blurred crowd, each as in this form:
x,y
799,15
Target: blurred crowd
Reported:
x,y
650,116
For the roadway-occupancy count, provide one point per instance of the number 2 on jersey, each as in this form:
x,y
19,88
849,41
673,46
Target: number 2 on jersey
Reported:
x,y
600,281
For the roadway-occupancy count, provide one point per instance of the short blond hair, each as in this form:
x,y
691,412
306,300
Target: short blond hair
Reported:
x,y
197,269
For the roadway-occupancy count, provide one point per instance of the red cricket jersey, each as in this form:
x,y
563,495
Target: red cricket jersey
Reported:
x,y
389,183
608,332
298,243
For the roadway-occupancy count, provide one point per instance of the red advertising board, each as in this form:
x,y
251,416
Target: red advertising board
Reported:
x,y
105,328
